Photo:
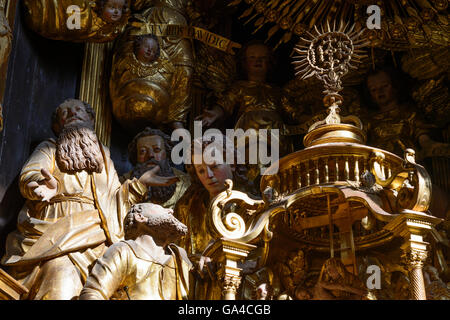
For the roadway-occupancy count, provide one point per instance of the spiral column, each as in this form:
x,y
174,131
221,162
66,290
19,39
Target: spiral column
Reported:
x,y
414,260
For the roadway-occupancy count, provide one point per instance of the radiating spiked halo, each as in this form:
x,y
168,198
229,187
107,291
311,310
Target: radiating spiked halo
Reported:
x,y
329,54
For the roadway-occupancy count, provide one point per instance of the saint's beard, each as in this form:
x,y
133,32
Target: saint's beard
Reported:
x,y
78,150
157,195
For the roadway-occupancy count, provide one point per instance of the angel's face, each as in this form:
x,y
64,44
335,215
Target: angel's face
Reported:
x,y
257,59
147,50
113,10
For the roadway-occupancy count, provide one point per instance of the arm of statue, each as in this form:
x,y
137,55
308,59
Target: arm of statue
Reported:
x,y
36,181
206,268
45,189
114,198
421,133
109,273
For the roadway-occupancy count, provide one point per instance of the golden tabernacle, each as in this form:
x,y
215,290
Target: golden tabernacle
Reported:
x,y
224,150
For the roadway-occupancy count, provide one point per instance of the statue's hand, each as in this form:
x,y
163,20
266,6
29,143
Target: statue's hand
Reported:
x,y
151,179
45,189
208,117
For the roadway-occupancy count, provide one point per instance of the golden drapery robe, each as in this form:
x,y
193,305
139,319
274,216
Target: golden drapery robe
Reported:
x,y
130,270
87,212
156,93
50,19
395,130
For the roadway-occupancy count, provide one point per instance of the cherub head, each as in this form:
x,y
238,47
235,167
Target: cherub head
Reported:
x,y
257,60
77,144
112,11
146,48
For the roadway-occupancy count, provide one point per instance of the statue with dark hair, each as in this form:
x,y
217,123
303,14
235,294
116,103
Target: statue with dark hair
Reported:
x,y
146,48
112,11
254,102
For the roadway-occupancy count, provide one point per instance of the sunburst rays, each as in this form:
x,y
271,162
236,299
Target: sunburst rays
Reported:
x,y
347,43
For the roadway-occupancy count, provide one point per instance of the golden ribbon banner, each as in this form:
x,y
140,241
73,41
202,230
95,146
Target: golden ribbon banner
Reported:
x,y
183,31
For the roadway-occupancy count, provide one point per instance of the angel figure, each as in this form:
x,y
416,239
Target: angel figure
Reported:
x,y
151,74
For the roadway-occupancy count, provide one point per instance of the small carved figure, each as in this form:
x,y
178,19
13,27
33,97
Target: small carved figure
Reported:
x,y
145,266
367,183
292,272
262,292
146,48
400,286
261,285
302,294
